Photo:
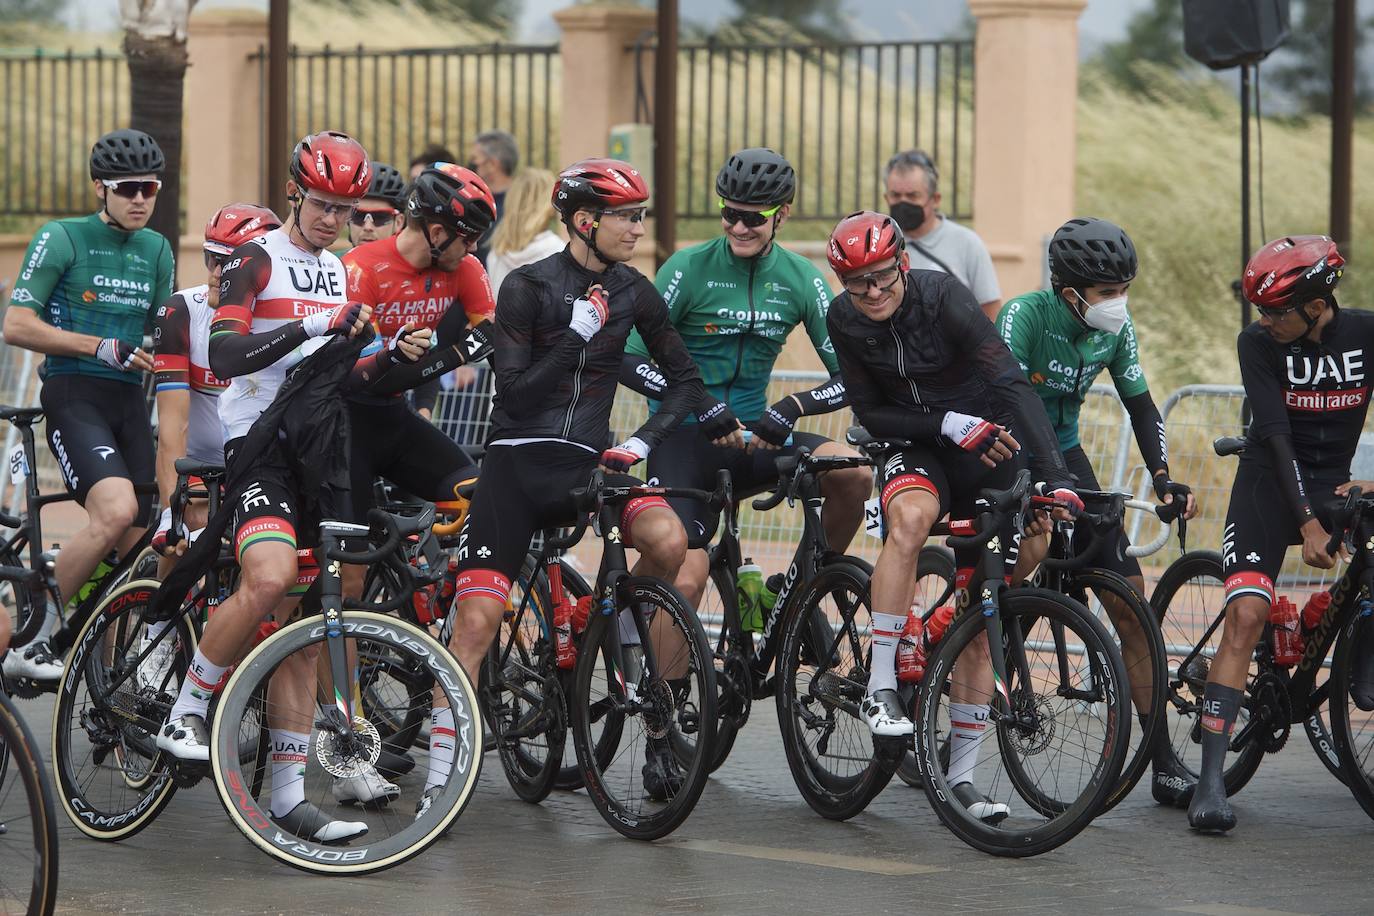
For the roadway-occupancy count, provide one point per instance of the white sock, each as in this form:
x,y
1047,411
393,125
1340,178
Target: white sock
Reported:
x,y
442,738
202,680
887,629
155,629
967,724
289,750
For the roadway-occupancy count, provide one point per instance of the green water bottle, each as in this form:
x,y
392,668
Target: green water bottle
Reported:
x,y
97,578
749,589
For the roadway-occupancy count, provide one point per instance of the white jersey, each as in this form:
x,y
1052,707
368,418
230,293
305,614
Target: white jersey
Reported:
x,y
261,293
181,336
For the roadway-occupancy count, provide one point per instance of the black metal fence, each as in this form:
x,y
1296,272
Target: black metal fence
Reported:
x,y
54,105
837,111
398,101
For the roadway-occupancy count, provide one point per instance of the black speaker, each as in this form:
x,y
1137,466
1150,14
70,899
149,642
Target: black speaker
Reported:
x,y
1228,33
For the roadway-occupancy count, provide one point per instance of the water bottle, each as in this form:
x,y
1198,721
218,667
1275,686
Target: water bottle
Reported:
x,y
1287,639
97,577
1314,610
911,656
938,623
749,591
565,649
582,611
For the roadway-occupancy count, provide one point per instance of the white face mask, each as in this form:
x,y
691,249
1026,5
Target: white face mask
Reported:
x,y
1108,315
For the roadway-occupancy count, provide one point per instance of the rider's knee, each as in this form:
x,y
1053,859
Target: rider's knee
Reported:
x,y
691,576
661,539
112,513
266,581
909,520
1245,618
850,485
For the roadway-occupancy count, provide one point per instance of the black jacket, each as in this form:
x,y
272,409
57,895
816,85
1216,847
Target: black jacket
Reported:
x,y
550,384
938,352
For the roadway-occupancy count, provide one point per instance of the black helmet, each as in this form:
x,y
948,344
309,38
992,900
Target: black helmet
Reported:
x,y
1086,252
388,185
453,196
757,176
125,152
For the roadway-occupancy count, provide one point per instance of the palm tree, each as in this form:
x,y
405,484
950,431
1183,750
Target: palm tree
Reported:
x,y
155,46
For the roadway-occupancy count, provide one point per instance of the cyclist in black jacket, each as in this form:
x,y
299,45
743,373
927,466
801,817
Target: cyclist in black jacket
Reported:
x,y
559,339
921,362
1305,366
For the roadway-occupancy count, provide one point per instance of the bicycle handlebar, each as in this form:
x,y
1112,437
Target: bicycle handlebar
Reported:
x,y
590,498
1346,517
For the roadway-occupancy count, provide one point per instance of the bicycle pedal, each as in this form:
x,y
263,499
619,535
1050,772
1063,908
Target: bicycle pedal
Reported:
x,y
187,774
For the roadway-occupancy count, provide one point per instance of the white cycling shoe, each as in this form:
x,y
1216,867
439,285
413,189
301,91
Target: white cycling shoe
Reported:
x,y
367,788
882,710
34,661
186,738
310,823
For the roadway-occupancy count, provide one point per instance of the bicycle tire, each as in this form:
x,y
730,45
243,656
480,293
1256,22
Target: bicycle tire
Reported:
x,y
1022,611
1156,663
936,564
1196,579
734,688
400,713
611,783
1352,728
127,734
569,777
833,795
20,756
407,836
522,697
16,600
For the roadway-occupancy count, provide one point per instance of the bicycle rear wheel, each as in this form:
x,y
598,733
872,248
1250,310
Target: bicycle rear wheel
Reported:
x,y
830,749
394,832
1061,730
522,696
1189,596
112,781
28,882
662,715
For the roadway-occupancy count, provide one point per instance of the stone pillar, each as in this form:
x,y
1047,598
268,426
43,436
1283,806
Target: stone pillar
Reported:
x,y
1026,66
224,117
599,74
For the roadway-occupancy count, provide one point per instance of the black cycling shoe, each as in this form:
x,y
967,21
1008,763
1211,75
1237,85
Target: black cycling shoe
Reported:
x,y
1362,681
663,777
1210,812
392,764
1171,783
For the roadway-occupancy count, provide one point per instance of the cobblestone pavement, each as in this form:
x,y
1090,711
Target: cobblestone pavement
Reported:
x,y
753,846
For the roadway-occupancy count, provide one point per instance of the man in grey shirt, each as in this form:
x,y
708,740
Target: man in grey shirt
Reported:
x,y
934,240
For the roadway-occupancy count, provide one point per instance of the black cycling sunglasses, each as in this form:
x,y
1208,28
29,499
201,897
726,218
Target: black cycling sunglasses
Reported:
x,y
130,188
378,217
214,259
751,218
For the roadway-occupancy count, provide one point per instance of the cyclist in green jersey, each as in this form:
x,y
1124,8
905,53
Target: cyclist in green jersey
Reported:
x,y
734,300
1063,338
84,298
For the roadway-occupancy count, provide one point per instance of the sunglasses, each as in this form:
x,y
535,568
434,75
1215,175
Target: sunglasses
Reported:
x,y
214,259
328,209
129,188
629,214
378,217
883,280
1275,314
751,218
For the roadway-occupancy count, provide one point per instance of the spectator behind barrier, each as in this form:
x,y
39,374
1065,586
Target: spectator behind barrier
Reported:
x,y
936,242
524,234
494,157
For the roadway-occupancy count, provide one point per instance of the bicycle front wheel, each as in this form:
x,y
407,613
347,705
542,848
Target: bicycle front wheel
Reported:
x,y
29,882
660,708
379,836
1351,726
1060,726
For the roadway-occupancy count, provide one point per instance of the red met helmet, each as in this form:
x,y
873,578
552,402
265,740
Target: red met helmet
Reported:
x,y
332,162
1292,270
235,224
865,238
598,184
452,196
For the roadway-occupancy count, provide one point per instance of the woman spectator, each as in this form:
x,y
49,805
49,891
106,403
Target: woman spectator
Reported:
x,y
523,235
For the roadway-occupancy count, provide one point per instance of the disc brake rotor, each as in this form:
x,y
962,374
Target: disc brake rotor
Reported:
x,y
351,755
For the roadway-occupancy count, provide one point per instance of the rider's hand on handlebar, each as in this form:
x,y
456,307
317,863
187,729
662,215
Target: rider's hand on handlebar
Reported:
x,y
1366,486
990,442
166,543
1072,503
1314,541
1168,490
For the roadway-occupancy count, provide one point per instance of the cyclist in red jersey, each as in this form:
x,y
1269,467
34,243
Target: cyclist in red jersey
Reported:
x,y
425,277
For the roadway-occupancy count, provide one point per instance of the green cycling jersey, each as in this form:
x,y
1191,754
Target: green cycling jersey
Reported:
x,y
734,315
83,275
1062,358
